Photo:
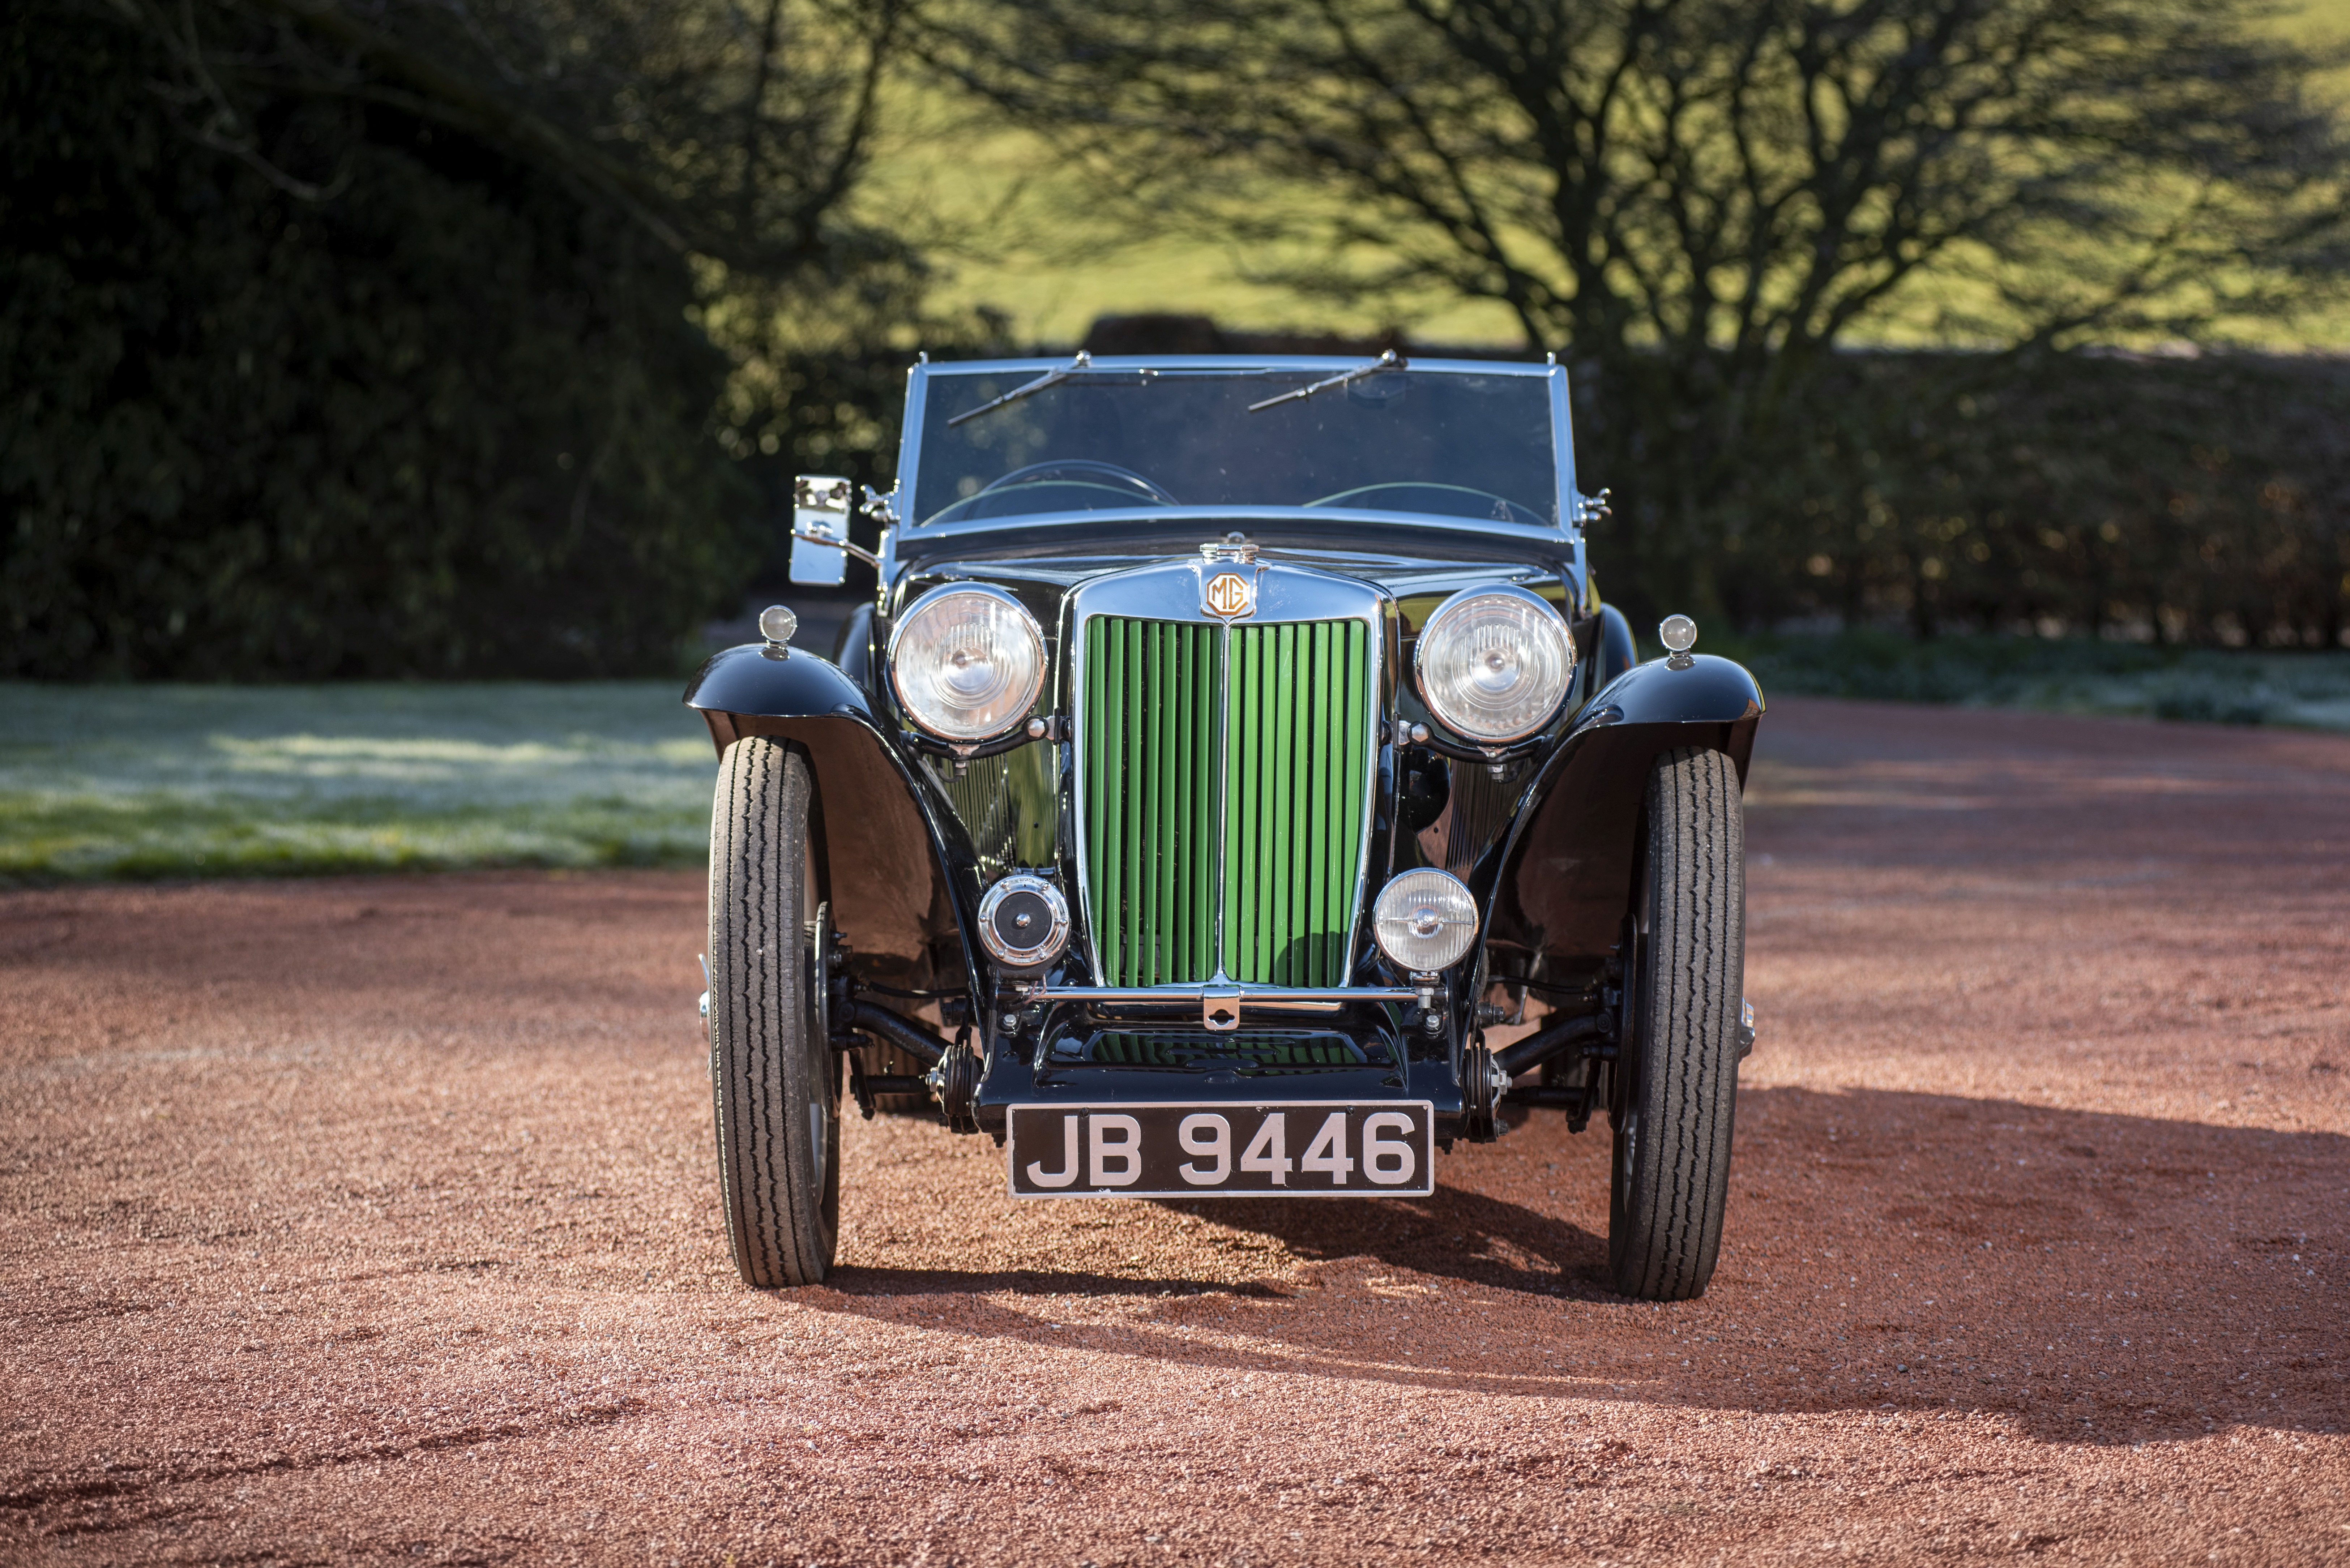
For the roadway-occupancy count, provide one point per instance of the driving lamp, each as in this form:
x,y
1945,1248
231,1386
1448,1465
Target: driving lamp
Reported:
x,y
1424,920
967,662
1024,921
1494,663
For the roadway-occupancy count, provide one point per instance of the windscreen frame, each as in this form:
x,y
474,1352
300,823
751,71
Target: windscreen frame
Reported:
x,y
922,377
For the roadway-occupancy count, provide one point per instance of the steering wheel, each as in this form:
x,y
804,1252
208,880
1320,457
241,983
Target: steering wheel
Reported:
x,y
1083,470
1425,495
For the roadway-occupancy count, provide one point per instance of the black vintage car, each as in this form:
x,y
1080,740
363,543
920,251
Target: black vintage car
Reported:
x,y
1235,786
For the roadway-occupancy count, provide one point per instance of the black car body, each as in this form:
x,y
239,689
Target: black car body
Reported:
x,y
1157,881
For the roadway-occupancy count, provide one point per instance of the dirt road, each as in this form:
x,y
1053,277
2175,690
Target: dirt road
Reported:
x,y
373,1220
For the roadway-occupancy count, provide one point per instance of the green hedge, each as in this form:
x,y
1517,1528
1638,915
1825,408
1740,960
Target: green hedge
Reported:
x,y
2199,500
453,419
450,421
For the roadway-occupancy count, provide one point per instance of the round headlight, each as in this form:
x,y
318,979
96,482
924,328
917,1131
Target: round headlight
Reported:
x,y
967,662
1494,663
1425,921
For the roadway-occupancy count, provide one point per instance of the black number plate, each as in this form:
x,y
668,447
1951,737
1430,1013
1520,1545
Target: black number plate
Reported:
x,y
1296,1149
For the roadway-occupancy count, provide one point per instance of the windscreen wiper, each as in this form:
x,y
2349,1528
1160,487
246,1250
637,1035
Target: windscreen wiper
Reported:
x,y
1390,360
1084,362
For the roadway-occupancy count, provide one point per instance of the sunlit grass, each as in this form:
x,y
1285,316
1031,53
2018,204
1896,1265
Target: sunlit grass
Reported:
x,y
116,782
171,781
2067,675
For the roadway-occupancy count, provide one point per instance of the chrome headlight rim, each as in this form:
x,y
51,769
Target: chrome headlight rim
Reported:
x,y
929,724
1050,943
1458,603
1408,893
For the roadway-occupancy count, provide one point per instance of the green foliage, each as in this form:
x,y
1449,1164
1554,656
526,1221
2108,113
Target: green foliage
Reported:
x,y
1702,204
177,781
822,389
2203,500
448,419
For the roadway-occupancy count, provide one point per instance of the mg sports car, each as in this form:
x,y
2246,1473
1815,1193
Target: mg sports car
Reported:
x,y
1235,786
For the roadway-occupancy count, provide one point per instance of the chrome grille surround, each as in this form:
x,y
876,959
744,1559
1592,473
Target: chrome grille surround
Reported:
x,y
1175,593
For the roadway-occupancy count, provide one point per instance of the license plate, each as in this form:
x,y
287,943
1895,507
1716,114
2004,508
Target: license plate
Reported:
x,y
1287,1148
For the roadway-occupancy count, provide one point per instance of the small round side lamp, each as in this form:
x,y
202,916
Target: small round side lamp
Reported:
x,y
1679,634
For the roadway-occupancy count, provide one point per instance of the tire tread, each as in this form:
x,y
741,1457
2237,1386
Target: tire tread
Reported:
x,y
1678,1179
779,1190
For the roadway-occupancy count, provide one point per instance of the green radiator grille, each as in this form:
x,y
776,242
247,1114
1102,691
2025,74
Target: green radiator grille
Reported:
x,y
1150,742
1294,774
1274,784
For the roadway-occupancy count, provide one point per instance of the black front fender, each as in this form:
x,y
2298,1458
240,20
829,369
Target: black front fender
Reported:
x,y
1565,874
891,858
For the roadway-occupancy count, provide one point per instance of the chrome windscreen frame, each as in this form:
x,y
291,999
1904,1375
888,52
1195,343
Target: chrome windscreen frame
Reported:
x,y
1173,591
1570,494
1569,501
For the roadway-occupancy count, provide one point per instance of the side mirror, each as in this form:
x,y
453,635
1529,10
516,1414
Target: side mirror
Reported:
x,y
819,530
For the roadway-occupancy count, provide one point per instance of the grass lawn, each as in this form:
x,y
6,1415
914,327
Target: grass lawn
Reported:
x,y
2308,690
213,780
217,781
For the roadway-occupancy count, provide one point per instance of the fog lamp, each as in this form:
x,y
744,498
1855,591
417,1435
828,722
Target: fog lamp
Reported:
x,y
1024,921
1425,921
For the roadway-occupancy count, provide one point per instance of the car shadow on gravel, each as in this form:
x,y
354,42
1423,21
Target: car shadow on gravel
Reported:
x,y
2085,1277
887,1284
1455,1234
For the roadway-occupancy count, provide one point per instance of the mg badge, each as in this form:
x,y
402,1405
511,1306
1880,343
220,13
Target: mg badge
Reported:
x,y
1230,595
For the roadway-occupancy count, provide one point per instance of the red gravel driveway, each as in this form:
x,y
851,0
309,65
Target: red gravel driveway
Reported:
x,y
374,1221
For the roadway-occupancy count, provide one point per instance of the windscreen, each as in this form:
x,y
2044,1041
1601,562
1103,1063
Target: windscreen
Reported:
x,y
1443,442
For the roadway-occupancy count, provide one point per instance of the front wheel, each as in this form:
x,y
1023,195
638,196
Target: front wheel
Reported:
x,y
774,1079
1677,1072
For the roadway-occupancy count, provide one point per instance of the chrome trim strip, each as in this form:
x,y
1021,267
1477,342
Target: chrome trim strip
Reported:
x,y
1562,433
1216,520
1237,365
1194,999
1223,735
1171,590
909,447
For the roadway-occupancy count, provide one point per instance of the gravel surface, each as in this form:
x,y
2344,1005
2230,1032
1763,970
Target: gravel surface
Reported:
x,y
374,1220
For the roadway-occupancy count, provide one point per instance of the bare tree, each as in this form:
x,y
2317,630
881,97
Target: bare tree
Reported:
x,y
1696,200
